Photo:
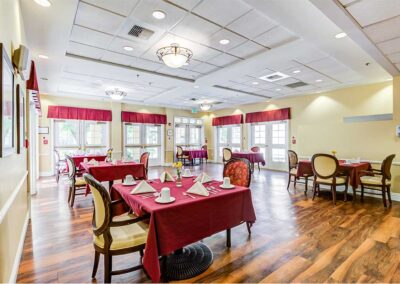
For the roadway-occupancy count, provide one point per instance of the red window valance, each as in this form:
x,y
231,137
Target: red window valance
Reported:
x,y
227,120
138,117
270,115
64,112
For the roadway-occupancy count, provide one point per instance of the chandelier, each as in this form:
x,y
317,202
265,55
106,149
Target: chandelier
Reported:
x,y
174,56
205,107
116,94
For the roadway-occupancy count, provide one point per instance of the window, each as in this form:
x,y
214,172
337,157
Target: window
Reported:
x,y
189,132
95,134
279,134
229,136
66,133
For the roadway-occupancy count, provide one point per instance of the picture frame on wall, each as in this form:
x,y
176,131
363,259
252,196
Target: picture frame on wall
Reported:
x,y
20,118
7,144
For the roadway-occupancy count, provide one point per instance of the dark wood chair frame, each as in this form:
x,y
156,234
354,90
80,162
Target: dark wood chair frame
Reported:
x,y
295,177
223,156
72,178
104,230
248,225
146,166
181,157
386,175
336,173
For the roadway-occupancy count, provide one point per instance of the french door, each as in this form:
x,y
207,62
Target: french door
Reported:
x,y
272,138
188,132
228,136
140,138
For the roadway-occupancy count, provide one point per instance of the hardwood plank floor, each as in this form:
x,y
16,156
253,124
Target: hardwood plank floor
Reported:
x,y
294,239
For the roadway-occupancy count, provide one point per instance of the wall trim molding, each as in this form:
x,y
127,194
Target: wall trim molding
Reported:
x,y
10,201
18,255
46,174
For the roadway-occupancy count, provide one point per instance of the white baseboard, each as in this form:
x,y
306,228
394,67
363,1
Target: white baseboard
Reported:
x,y
46,174
17,260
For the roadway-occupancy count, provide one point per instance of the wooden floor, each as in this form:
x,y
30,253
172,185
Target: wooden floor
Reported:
x,y
294,239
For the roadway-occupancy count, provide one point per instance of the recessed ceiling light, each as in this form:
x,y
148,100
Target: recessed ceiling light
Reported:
x,y
159,15
128,48
44,3
296,71
255,83
196,86
319,80
340,35
224,41
43,56
277,89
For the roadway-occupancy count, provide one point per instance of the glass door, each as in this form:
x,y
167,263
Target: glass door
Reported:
x,y
229,136
188,132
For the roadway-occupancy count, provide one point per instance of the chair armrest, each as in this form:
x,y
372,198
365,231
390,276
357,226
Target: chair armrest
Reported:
x,y
128,222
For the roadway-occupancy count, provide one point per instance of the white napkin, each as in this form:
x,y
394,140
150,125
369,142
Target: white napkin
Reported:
x,y
198,189
166,176
143,187
203,177
92,162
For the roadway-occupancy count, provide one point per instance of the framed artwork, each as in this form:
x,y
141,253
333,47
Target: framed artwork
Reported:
x,y
20,119
7,104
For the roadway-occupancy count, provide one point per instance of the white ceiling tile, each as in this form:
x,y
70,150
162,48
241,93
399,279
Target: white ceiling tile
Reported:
x,y
123,7
187,4
178,72
118,44
261,73
223,59
90,37
346,2
145,64
247,49
367,12
204,68
398,66
390,46
212,10
234,40
310,54
117,58
395,57
251,24
275,37
97,19
143,12
85,50
286,81
281,65
385,30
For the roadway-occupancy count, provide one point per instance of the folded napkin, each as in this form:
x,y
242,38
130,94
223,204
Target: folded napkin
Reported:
x,y
203,177
198,189
92,162
143,187
166,176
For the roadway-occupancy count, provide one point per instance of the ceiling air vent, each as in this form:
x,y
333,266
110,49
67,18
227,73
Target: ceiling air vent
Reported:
x,y
296,85
140,32
274,77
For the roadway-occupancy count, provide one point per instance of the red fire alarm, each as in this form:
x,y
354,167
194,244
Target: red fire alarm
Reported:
x,y
45,141
293,140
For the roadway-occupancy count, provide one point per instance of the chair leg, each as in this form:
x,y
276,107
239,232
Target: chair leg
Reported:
x,y
333,189
57,176
362,193
96,263
315,190
107,268
389,196
384,197
258,164
248,225
345,191
295,181
290,176
69,194
72,196
306,185
228,238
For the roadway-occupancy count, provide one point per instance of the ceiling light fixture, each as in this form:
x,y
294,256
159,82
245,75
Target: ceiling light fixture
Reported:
x,y
319,80
277,89
224,41
174,56
340,35
159,15
128,48
255,83
43,3
296,71
196,86
43,56
205,107
116,94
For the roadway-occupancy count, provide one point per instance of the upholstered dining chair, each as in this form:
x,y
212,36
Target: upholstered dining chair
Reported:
x,y
226,155
144,159
255,149
59,165
239,172
293,162
180,156
114,236
326,172
76,183
378,179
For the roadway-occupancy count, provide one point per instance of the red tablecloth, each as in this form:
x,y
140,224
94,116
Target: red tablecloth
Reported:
x,y
78,159
353,170
196,154
187,220
253,157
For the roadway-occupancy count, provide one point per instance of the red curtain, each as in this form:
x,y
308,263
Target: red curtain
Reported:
x,y
226,120
270,115
138,117
63,112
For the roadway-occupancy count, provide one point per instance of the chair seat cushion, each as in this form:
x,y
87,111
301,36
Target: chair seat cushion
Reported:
x,y
125,236
80,181
373,180
339,180
293,171
124,217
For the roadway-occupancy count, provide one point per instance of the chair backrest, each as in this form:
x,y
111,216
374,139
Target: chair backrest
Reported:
x,y
226,154
293,159
56,157
71,167
386,165
144,159
102,204
179,150
324,165
204,147
239,171
255,149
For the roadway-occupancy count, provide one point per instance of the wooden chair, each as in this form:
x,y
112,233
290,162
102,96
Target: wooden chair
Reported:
x,y
75,182
239,172
293,162
114,236
226,155
378,179
59,165
180,156
326,172
144,159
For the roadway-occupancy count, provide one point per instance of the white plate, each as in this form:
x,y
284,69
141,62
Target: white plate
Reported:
x,y
189,176
158,200
226,187
129,184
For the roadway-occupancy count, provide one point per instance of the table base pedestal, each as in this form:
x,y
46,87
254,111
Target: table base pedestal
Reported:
x,y
188,262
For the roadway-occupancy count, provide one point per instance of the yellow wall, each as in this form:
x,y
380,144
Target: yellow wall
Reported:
x,y
14,199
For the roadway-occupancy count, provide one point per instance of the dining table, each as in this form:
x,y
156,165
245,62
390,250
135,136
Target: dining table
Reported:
x,y
253,157
78,159
195,154
353,170
176,228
